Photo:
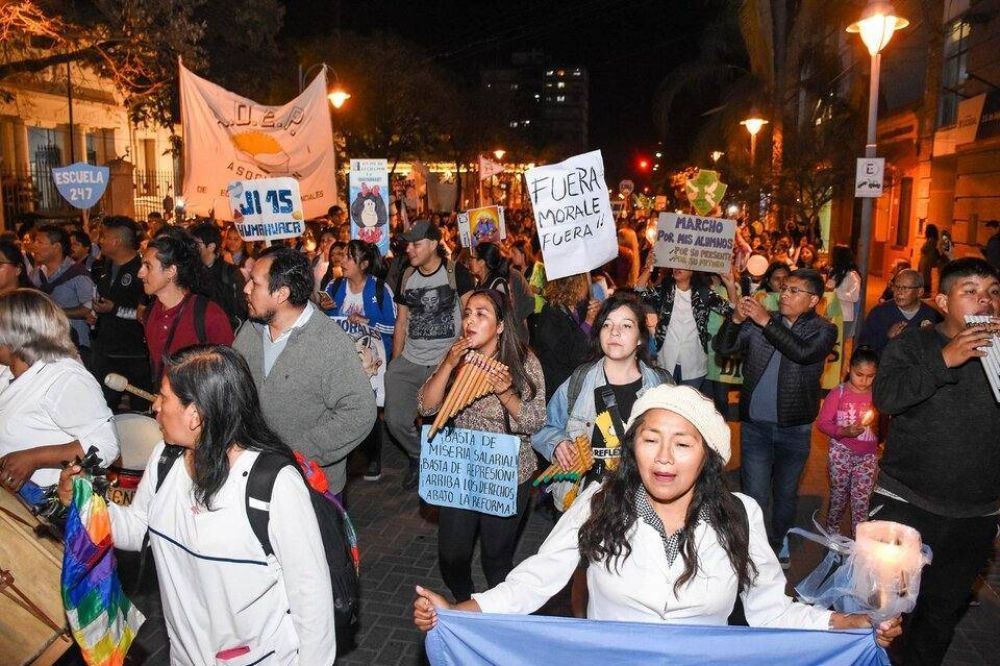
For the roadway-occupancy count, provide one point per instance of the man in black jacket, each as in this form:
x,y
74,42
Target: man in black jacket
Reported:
x,y
226,281
784,355
119,341
940,472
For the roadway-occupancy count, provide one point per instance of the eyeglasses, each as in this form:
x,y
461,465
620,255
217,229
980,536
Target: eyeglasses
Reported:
x,y
795,291
905,287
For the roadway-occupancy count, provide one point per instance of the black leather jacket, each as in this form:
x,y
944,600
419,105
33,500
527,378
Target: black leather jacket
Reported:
x,y
804,348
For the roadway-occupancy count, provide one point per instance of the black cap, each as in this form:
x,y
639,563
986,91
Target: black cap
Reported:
x,y
422,230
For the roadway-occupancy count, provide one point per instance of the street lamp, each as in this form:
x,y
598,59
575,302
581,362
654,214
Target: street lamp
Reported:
x,y
875,26
499,153
337,96
754,124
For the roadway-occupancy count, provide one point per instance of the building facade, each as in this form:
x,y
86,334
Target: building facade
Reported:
x,y
37,134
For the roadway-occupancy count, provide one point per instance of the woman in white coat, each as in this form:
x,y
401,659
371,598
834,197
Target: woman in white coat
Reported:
x,y
224,601
665,540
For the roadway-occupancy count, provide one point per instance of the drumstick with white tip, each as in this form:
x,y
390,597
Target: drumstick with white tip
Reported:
x,y
117,382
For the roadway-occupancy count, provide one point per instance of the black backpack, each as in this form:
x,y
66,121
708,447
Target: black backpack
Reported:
x,y
333,527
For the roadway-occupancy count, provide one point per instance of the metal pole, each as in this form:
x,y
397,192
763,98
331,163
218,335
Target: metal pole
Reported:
x,y
754,191
69,96
867,203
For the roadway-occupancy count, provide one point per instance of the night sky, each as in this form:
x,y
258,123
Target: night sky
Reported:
x,y
627,47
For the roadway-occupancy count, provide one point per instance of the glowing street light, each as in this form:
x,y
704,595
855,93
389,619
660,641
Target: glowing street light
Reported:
x,y
338,97
876,26
754,124
499,153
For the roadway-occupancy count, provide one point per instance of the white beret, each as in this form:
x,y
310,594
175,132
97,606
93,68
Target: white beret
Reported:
x,y
693,406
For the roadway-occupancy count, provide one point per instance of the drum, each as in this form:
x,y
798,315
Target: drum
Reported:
x,y
138,435
33,628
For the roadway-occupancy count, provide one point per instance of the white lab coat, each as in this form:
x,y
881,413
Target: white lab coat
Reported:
x,y
219,592
54,402
642,589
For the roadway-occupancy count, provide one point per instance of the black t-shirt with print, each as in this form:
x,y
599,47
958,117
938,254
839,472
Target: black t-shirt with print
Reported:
x,y
604,439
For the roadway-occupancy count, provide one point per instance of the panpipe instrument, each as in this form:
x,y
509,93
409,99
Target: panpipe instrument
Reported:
x,y
471,383
991,362
555,472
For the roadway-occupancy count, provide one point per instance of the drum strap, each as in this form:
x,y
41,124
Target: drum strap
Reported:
x,y
10,590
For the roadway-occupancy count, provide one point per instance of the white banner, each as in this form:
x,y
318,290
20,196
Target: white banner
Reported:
x,y
228,137
695,243
573,218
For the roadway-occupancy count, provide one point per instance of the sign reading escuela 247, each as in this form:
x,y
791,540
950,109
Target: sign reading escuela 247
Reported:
x,y
266,209
81,184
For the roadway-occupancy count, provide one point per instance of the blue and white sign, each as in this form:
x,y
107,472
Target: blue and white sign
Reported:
x,y
267,208
469,469
81,184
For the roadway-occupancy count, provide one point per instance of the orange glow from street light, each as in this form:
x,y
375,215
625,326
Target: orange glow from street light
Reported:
x,y
876,25
753,124
338,97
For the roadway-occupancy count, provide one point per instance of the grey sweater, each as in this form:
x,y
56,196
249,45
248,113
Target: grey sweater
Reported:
x,y
316,397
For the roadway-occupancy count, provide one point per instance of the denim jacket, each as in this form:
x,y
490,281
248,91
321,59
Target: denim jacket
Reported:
x,y
562,422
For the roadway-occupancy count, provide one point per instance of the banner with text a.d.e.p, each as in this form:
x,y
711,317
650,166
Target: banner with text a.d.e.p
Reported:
x,y
573,217
369,202
695,243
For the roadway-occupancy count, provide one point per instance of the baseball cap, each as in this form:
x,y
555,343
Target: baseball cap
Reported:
x,y
422,230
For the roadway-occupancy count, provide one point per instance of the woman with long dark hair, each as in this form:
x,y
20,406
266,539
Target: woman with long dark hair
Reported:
x,y
515,405
665,540
492,271
366,300
845,281
221,594
619,362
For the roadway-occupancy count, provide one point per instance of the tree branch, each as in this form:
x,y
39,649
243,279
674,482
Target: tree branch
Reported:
x,y
92,52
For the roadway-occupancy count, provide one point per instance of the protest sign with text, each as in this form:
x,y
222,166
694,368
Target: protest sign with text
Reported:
x,y
266,209
573,217
370,346
469,469
81,184
695,243
369,197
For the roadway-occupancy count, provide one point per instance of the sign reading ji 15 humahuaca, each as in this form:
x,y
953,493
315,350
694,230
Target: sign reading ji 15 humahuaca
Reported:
x,y
695,243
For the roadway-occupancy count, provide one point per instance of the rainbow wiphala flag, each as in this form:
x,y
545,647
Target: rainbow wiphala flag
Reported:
x,y
102,618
